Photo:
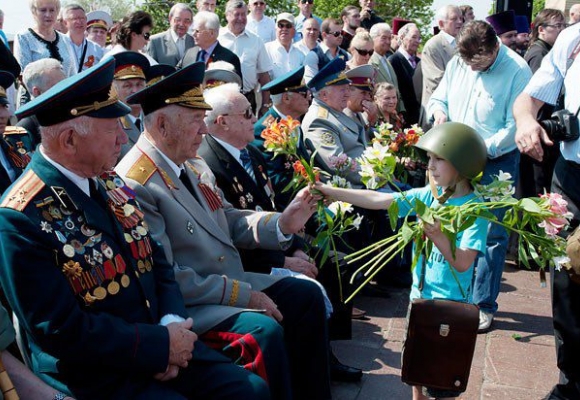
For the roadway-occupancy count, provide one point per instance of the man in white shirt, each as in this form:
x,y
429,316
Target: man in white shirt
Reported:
x,y
256,63
170,46
259,24
284,56
310,34
86,53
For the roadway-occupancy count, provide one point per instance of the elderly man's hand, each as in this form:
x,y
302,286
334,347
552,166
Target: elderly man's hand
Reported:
x,y
261,301
181,340
301,266
529,138
298,212
170,373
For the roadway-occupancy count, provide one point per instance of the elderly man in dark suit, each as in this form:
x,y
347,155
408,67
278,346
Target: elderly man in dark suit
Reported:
x,y
93,292
170,46
199,231
206,26
405,62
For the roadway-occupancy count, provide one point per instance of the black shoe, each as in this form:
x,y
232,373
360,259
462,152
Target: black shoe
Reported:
x,y
343,373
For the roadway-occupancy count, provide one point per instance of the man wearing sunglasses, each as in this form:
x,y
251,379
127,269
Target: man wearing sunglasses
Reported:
x,y
305,7
285,342
285,57
326,51
260,24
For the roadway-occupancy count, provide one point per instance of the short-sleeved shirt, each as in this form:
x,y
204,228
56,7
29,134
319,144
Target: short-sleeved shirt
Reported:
x,y
439,280
253,56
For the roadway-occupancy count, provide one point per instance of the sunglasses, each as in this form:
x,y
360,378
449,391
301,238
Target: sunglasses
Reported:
x,y
307,1
365,53
283,25
146,35
259,3
335,34
306,94
248,114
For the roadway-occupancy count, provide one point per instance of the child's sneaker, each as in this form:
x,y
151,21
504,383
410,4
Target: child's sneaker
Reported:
x,y
485,320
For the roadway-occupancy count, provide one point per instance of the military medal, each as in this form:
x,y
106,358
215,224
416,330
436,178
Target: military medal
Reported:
x,y
68,250
141,266
125,280
87,231
148,265
113,288
100,293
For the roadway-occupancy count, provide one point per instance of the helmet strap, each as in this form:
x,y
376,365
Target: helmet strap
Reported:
x,y
447,193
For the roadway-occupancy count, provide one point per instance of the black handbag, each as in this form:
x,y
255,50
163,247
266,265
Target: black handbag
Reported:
x,y
440,343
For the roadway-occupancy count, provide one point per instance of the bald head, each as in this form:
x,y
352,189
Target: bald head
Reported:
x,y
574,13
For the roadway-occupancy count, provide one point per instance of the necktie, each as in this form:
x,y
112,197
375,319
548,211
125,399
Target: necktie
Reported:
x,y
247,163
186,182
95,194
181,46
138,124
201,55
413,62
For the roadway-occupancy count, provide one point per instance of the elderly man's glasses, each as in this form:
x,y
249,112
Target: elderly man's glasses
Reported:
x,y
248,114
282,25
364,53
335,34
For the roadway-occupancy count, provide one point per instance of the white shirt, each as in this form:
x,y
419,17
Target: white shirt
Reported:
x,y
283,61
265,29
179,42
302,47
252,53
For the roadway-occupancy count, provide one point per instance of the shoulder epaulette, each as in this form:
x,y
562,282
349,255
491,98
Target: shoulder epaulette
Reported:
x,y
142,170
15,130
322,112
26,188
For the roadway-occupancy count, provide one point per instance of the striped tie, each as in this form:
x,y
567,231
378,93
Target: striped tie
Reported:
x,y
247,163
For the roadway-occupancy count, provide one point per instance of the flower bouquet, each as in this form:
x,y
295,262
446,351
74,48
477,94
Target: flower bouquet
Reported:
x,y
402,145
537,221
281,138
377,166
343,165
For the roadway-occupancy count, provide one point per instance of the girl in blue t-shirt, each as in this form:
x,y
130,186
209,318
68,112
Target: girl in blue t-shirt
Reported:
x,y
457,154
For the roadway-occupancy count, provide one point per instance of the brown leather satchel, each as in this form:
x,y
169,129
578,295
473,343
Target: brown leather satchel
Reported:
x,y
440,344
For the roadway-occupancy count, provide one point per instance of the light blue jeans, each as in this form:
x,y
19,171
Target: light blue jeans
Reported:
x,y
490,267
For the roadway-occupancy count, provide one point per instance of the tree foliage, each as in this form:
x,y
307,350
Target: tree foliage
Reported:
x,y
117,8
539,5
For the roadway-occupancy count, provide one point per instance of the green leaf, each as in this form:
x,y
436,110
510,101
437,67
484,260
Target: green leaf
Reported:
x,y
394,215
530,205
424,212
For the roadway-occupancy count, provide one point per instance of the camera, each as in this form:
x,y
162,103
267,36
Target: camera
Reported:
x,y
562,126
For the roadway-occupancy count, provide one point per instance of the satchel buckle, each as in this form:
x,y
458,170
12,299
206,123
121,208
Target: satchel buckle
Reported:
x,y
444,330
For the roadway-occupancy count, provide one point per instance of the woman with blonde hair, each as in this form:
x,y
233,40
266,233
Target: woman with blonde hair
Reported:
x,y
361,48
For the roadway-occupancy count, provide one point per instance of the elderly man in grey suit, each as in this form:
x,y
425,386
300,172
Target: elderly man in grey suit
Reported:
x,y
285,342
437,52
170,46
382,35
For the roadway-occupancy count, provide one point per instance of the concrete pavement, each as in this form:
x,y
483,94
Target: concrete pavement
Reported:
x,y
515,360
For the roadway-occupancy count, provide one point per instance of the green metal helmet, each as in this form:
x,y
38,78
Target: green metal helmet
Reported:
x,y
459,144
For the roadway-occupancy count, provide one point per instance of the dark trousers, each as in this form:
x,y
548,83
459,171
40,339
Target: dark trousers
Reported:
x,y
208,376
566,293
305,334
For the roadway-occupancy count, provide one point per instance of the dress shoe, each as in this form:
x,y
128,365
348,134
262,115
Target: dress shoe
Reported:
x,y
343,373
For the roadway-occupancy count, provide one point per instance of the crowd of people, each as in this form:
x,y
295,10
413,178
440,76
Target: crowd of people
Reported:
x,y
145,227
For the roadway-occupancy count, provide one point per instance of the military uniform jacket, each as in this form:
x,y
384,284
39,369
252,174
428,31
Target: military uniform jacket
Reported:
x,y
132,132
332,133
280,169
200,234
18,146
88,286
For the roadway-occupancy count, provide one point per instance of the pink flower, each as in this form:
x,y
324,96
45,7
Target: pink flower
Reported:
x,y
558,206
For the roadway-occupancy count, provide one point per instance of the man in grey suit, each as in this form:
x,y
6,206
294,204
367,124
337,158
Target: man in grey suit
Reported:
x,y
286,341
170,46
381,34
437,52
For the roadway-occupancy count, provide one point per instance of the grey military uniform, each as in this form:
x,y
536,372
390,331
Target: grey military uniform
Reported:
x,y
331,133
132,132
